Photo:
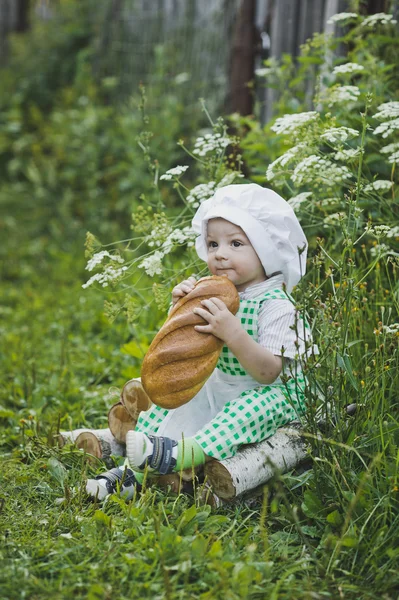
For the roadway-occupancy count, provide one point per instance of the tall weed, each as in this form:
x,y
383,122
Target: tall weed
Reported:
x,y
336,165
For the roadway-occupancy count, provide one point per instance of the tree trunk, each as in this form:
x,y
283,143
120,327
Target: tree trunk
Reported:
x,y
106,37
255,464
22,17
377,6
242,63
5,26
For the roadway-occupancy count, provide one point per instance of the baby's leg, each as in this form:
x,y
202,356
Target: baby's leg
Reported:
x,y
181,422
128,481
162,439
150,420
252,417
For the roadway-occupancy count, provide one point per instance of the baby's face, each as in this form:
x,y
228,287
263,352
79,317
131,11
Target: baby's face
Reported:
x,y
230,253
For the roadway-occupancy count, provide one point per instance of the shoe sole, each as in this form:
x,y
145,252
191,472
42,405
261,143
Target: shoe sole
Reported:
x,y
134,447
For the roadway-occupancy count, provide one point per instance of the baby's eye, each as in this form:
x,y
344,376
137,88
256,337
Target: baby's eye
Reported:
x,y
212,245
236,243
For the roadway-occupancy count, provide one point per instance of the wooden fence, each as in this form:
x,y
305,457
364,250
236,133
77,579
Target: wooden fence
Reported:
x,y
214,45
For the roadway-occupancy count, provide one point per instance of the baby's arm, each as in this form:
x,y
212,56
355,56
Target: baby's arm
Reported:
x,y
259,362
183,288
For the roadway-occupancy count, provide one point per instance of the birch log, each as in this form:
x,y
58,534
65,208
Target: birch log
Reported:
x,y
134,398
120,422
255,464
65,437
97,442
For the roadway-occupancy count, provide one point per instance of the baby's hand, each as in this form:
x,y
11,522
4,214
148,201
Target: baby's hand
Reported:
x,y
183,288
220,321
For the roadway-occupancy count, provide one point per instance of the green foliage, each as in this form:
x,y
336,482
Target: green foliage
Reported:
x,y
69,161
327,160
340,98
64,145
53,55
161,252
82,162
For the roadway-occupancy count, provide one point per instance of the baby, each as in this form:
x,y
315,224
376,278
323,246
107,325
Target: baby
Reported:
x,y
252,236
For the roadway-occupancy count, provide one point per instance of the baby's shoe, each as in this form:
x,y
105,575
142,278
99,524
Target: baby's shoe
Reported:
x,y
120,479
157,454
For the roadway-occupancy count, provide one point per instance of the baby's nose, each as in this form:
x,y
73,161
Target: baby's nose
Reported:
x,y
221,251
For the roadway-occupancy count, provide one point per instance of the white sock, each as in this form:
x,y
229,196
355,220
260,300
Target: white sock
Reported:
x,y
139,448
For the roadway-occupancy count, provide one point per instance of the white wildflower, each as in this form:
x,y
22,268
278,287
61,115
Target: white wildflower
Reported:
x,y
178,237
291,122
153,264
159,234
342,94
387,128
296,201
390,148
378,185
229,178
393,150
394,157
380,249
393,232
392,329
201,192
342,17
175,172
204,191
339,134
357,211
109,275
263,72
347,68
283,160
387,110
349,154
97,259
334,219
381,230
92,279
182,78
330,202
382,18
211,142
317,168
378,230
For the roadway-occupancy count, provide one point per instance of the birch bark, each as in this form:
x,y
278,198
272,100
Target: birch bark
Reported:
x,y
98,442
255,464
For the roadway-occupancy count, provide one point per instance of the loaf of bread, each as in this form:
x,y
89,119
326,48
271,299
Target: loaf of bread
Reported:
x,y
180,359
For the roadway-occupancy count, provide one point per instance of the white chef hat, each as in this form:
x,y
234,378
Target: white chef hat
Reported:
x,y
267,220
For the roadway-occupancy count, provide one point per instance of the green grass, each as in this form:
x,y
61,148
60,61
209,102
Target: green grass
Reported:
x,y
329,533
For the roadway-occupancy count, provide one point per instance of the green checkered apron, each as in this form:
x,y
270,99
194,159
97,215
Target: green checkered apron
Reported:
x,y
254,414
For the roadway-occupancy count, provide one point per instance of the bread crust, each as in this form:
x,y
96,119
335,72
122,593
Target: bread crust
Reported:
x,y
180,359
